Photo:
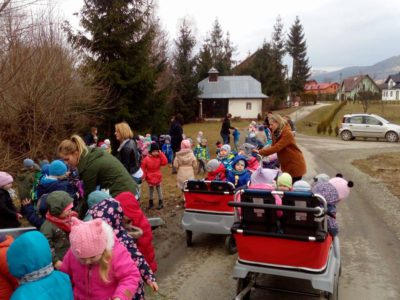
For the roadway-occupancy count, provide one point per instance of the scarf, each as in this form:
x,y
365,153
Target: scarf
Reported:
x,y
38,274
63,224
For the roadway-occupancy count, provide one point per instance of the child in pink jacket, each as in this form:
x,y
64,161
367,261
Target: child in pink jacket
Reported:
x,y
99,266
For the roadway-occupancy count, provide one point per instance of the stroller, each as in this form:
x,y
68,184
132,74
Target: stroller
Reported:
x,y
207,210
295,245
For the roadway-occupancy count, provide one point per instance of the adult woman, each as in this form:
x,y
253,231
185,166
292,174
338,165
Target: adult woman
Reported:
x,y
97,169
176,131
128,153
225,132
284,144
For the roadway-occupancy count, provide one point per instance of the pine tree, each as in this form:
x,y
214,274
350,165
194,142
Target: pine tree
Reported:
x,y
119,41
297,48
184,63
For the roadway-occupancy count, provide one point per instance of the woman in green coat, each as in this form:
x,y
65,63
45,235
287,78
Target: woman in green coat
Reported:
x,y
96,168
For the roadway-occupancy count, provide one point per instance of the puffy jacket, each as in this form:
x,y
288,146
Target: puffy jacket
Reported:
x,y
128,155
88,285
30,253
24,181
151,166
8,212
184,162
48,185
218,174
253,164
239,179
8,283
132,210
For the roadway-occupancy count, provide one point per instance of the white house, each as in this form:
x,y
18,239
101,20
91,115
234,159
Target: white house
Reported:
x,y
391,88
240,96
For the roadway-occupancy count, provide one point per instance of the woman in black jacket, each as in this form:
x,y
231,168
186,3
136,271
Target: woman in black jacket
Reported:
x,y
225,132
176,132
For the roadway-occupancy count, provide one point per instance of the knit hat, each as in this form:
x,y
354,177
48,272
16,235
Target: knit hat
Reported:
x,y
58,201
227,148
185,144
96,197
154,147
263,176
87,239
43,162
212,165
45,169
341,185
28,163
107,142
326,190
57,168
5,179
285,180
321,178
301,186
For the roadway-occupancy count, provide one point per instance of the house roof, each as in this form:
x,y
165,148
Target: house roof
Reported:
x,y
231,87
350,83
395,78
319,86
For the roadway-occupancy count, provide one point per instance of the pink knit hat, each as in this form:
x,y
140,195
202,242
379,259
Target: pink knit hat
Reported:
x,y
5,179
341,185
185,144
87,239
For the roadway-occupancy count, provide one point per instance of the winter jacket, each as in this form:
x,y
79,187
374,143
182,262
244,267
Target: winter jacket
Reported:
x,y
290,156
226,160
167,150
176,132
132,210
24,181
88,285
202,153
236,136
99,169
219,174
226,125
8,283
8,212
29,253
185,163
110,211
28,211
128,155
151,166
48,185
252,163
241,178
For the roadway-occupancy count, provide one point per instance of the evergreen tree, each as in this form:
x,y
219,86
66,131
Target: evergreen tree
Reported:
x,y
184,63
217,52
297,48
119,40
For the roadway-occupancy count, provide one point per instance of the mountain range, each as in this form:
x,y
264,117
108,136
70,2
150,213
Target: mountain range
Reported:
x,y
378,72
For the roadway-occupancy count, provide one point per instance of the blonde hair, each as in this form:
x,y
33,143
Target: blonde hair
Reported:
x,y
277,119
104,265
69,146
124,130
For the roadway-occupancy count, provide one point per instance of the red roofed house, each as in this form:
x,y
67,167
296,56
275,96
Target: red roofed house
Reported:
x,y
313,87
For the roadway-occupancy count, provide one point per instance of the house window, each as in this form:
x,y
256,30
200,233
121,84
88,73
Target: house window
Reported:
x,y
248,105
391,93
397,95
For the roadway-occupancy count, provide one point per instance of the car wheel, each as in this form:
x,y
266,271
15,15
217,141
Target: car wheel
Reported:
x,y
346,135
391,136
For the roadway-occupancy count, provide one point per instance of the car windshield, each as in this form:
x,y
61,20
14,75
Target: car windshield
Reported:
x,y
384,121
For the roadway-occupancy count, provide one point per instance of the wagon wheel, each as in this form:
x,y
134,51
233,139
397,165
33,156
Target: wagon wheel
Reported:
x,y
241,284
230,244
189,235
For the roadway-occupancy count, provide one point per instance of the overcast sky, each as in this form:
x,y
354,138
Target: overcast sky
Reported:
x,y
339,33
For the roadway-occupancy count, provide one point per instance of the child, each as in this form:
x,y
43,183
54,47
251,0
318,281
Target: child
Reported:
x,y
9,215
252,162
225,156
8,283
202,155
342,186
216,171
239,175
301,186
135,216
321,178
106,145
25,179
110,211
95,251
263,176
285,182
57,226
218,144
167,150
29,260
252,139
199,137
236,137
151,167
184,163
261,136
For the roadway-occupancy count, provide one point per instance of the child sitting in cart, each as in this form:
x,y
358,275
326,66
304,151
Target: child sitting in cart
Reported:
x,y
285,182
239,175
247,150
225,157
216,170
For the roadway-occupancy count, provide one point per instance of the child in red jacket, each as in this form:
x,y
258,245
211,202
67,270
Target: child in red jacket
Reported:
x,y
216,171
151,167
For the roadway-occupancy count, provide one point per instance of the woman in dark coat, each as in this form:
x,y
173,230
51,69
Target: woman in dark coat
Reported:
x,y
176,131
225,132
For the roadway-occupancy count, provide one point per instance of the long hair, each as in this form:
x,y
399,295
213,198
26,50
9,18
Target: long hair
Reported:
x,y
69,146
124,130
104,263
279,120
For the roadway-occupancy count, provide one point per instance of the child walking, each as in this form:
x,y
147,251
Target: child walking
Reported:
x,y
167,150
9,215
202,155
236,137
184,163
98,265
151,167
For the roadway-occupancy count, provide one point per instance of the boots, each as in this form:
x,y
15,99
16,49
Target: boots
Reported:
x,y
151,204
160,204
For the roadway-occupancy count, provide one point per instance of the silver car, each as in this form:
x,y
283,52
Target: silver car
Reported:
x,y
368,126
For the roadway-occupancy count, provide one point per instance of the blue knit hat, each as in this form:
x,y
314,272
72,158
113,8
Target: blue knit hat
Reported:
x,y
301,186
45,169
96,197
28,163
57,168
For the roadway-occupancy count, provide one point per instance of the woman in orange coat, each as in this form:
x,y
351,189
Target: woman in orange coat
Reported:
x,y
283,143
7,282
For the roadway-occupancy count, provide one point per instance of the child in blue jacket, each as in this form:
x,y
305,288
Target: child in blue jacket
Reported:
x,y
239,175
167,150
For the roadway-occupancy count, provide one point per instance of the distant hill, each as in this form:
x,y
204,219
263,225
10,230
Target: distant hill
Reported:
x,y
379,71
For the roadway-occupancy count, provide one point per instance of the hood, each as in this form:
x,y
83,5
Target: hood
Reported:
x,y
110,211
57,201
128,202
7,242
240,157
28,253
185,156
87,159
46,180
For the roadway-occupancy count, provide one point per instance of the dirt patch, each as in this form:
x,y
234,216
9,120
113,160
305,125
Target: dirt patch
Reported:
x,y
384,168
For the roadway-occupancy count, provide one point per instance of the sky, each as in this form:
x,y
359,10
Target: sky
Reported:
x,y
339,33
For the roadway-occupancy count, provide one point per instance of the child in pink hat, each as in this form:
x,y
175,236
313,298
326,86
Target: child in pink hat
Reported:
x,y
95,251
9,215
185,163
